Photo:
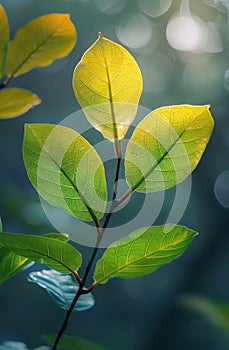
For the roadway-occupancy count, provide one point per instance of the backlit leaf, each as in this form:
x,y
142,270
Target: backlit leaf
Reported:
x,y
39,43
62,289
15,102
70,343
65,170
166,147
143,252
11,263
56,254
14,345
216,311
108,84
4,38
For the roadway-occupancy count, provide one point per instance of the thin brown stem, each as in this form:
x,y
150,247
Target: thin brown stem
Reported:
x,y
6,82
100,233
77,296
77,277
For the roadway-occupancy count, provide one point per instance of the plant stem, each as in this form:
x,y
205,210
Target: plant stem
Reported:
x,y
6,82
100,234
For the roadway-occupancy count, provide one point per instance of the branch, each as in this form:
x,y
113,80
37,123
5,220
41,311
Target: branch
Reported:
x,y
100,233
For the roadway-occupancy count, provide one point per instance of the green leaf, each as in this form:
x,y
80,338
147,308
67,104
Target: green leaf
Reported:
x,y
166,147
4,39
15,102
70,343
216,311
62,289
65,170
108,84
39,43
56,254
143,252
11,263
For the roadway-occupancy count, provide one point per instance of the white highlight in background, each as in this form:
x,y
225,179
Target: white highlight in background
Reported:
x,y
134,31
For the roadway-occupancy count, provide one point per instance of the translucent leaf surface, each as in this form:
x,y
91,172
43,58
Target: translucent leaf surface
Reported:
x,y
11,263
143,252
14,345
15,102
40,42
62,289
166,147
65,170
108,84
216,311
56,254
4,38
70,343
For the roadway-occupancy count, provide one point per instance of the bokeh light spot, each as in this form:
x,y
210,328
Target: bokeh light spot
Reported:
x,y
134,31
111,7
222,188
185,33
226,79
155,8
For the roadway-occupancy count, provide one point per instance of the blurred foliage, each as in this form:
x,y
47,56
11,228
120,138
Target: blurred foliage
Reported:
x,y
216,311
170,76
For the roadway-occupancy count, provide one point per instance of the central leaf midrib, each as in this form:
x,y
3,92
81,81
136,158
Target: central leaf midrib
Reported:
x,y
94,218
36,49
115,130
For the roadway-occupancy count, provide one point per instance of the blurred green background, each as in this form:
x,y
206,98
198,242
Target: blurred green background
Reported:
x,y
182,49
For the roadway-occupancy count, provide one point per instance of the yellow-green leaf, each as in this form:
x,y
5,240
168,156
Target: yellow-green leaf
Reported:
x,y
65,170
55,253
143,252
4,38
166,147
108,84
15,101
40,42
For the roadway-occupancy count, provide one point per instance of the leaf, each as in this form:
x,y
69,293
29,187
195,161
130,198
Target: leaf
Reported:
x,y
11,263
108,84
143,252
15,101
39,43
56,254
217,312
13,345
65,170
63,237
4,39
70,343
62,289
166,147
